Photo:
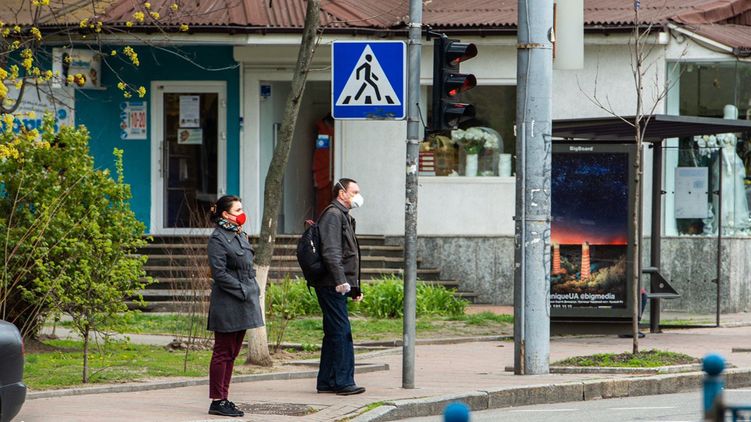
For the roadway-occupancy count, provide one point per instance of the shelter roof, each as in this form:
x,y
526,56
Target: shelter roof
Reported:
x,y
658,127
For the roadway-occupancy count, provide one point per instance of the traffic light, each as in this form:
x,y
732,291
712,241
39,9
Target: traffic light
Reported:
x,y
448,83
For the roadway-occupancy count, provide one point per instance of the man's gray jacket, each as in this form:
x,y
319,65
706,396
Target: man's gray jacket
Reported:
x,y
339,248
235,304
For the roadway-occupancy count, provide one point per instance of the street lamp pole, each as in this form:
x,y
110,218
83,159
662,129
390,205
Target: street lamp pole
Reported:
x,y
410,210
533,162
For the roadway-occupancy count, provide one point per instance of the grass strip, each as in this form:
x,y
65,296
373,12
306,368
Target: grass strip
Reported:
x,y
646,359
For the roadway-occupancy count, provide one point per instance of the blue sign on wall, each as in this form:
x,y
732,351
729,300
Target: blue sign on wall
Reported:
x,y
368,79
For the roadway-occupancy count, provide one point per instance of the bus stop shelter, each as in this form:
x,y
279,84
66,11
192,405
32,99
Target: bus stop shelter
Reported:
x,y
574,142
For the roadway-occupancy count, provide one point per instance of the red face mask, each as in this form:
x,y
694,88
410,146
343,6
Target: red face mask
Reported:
x,y
240,218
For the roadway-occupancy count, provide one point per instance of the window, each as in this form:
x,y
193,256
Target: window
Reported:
x,y
483,146
711,182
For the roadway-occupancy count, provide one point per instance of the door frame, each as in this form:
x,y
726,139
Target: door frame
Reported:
x,y
251,184
158,89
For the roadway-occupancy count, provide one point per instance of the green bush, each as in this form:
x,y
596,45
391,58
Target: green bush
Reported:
x,y
437,300
383,298
298,297
74,233
75,237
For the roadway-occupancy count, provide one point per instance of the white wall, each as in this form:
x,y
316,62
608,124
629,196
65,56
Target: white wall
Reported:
x,y
374,154
606,79
455,206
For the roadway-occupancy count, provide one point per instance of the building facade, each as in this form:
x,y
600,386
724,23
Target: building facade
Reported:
x,y
216,100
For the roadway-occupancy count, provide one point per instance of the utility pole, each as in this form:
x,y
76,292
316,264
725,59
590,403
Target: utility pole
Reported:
x,y
410,211
533,148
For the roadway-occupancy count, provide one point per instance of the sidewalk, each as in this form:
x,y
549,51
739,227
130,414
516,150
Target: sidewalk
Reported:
x,y
446,369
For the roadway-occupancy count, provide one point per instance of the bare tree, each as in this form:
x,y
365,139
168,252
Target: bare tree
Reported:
x,y
258,348
641,49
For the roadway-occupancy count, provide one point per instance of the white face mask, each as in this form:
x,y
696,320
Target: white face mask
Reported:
x,y
357,201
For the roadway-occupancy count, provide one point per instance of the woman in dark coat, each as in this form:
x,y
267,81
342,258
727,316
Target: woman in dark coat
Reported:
x,y
235,305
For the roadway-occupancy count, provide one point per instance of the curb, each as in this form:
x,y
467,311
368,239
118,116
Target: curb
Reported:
x,y
673,369
550,393
129,388
619,370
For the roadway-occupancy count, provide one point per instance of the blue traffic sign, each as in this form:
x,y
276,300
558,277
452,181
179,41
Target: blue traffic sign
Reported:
x,y
368,79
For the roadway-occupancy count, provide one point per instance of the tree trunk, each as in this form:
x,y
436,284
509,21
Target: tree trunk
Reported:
x,y
636,230
258,343
258,349
636,234
85,378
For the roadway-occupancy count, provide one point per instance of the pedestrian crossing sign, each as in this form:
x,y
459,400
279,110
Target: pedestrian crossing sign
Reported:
x,y
368,79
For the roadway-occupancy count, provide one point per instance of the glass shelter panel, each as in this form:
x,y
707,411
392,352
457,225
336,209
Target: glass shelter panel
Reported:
x,y
721,90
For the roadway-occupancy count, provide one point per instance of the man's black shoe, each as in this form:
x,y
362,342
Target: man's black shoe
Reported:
x,y
325,391
352,389
224,408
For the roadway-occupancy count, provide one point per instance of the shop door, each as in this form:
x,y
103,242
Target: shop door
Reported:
x,y
190,122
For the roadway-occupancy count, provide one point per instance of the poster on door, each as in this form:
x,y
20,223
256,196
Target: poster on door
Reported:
x,y
133,124
590,212
190,111
189,136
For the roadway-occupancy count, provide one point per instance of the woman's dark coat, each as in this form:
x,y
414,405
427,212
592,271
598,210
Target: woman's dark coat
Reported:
x,y
235,304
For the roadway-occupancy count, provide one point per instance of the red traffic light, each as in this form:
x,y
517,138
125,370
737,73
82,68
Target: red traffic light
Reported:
x,y
457,52
458,83
448,83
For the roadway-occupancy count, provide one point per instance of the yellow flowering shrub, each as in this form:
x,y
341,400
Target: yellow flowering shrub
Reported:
x,y
21,45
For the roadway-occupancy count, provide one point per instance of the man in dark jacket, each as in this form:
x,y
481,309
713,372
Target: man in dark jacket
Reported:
x,y
341,256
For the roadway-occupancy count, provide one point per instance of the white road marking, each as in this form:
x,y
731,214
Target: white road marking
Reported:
x,y
642,408
544,410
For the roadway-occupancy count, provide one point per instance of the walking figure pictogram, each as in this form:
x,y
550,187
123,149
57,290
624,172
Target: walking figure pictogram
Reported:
x,y
367,74
368,84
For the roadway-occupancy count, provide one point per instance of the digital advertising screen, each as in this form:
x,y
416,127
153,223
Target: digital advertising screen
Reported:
x,y
591,211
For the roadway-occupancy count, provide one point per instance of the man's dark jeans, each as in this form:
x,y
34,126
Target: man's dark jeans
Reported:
x,y
337,368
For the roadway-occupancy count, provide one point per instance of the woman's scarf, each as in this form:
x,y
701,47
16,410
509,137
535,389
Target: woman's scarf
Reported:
x,y
228,225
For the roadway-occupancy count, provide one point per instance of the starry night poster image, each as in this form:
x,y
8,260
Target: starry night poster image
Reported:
x,y
589,229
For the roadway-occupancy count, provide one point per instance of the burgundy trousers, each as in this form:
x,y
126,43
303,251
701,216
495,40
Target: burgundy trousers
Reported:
x,y
226,348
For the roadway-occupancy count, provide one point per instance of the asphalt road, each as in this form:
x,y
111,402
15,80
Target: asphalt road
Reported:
x,y
684,407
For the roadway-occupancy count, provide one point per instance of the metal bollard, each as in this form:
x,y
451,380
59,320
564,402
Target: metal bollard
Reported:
x,y
456,412
713,364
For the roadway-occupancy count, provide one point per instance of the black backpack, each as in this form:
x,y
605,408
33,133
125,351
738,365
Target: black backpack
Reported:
x,y
309,253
